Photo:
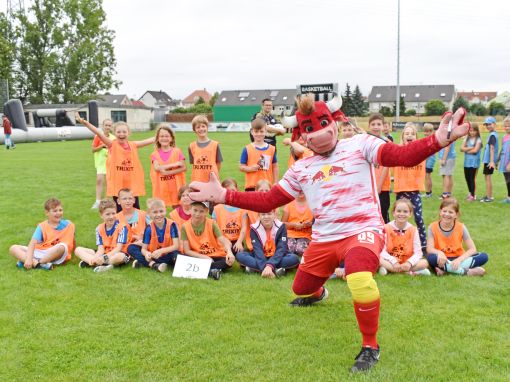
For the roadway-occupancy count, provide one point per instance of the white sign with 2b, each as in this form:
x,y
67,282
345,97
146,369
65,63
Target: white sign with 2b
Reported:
x,y
191,267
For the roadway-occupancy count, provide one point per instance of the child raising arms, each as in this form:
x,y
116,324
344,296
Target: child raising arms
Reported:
x,y
402,252
444,245
123,167
168,167
100,155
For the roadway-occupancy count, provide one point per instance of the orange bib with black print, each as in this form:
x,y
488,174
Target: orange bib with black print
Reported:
x,y
206,243
263,159
399,244
124,170
229,222
137,228
386,181
166,187
52,237
204,161
296,216
451,246
167,238
409,178
110,242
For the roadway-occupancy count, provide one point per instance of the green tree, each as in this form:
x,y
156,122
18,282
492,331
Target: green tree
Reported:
x,y
213,99
386,111
359,106
347,105
435,107
7,47
402,106
460,102
200,100
65,52
496,108
478,109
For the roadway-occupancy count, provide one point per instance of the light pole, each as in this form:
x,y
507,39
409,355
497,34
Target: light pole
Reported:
x,y
397,98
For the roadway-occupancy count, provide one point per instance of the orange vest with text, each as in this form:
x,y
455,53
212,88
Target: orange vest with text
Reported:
x,y
166,187
451,246
206,243
259,157
52,237
167,238
124,170
204,161
110,242
174,215
398,244
229,222
409,178
387,180
295,216
137,228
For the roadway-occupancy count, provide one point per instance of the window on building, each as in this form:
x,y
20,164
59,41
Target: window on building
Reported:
x,y
284,98
241,99
378,95
443,94
274,93
223,99
243,94
253,98
287,107
417,95
403,95
119,115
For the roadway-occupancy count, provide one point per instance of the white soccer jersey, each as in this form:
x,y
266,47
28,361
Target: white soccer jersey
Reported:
x,y
340,189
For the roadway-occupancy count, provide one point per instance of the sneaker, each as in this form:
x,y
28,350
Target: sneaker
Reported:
x,y
366,359
383,271
477,271
470,198
425,195
486,199
45,266
215,274
439,271
249,270
309,301
103,268
423,272
279,272
20,264
95,206
162,267
136,264
83,264
506,201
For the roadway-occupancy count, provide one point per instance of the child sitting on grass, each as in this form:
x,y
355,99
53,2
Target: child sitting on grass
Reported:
x,y
202,238
270,254
444,245
402,253
298,219
52,242
134,219
111,240
160,240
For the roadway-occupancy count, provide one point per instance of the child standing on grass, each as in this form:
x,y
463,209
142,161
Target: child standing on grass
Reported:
x,y
134,219
100,155
6,124
258,159
409,182
489,158
204,153
52,242
471,147
504,159
160,240
444,245
447,166
270,255
298,220
111,241
382,174
402,253
298,150
168,167
428,129
202,238
387,131
123,167
233,221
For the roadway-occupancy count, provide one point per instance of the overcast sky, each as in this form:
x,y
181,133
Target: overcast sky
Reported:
x,y
180,46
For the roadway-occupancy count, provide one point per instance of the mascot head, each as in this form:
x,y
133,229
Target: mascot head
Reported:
x,y
315,121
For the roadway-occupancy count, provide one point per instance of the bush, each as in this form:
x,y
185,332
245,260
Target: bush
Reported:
x,y
386,111
411,112
201,108
435,107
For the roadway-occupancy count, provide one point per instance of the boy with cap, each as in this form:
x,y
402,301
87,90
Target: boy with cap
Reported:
x,y
489,157
202,238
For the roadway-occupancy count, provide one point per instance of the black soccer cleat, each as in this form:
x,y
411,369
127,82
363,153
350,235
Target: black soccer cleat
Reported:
x,y
215,274
309,301
366,359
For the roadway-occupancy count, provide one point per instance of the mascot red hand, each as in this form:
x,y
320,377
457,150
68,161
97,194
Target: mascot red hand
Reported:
x,y
315,123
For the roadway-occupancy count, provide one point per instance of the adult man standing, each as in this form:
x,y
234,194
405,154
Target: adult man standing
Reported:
x,y
7,132
273,128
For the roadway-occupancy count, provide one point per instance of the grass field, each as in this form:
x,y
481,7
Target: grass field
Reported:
x,y
138,325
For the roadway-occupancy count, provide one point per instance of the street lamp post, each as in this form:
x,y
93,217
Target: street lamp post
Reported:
x,y
397,98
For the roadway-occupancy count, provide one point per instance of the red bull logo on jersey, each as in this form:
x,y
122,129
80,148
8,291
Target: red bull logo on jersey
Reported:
x,y
325,173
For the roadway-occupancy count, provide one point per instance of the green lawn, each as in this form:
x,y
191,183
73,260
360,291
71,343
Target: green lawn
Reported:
x,y
138,325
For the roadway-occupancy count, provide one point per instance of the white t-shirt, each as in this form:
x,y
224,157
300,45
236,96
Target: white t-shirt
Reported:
x,y
340,189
